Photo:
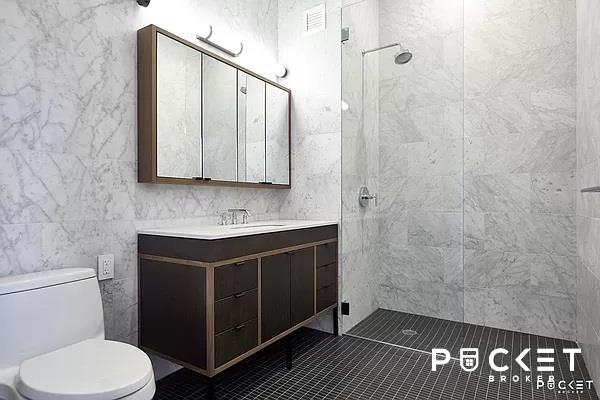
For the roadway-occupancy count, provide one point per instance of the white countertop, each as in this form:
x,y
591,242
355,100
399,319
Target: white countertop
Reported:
x,y
211,232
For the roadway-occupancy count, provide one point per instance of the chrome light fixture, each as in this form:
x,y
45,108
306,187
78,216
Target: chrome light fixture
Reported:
x,y
208,39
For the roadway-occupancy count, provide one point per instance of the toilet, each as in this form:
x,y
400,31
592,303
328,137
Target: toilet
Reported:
x,y
52,342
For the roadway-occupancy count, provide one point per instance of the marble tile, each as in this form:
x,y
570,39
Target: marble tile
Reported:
x,y
476,10
512,33
400,263
497,193
555,273
436,158
553,193
492,269
125,308
435,229
551,275
513,307
474,227
414,90
531,233
393,229
20,249
588,204
520,112
588,291
425,298
589,341
106,291
40,187
521,153
419,17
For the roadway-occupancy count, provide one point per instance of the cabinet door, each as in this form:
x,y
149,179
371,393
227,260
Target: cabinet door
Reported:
x,y
302,272
172,301
275,295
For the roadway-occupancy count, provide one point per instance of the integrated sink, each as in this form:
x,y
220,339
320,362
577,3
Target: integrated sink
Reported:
x,y
213,232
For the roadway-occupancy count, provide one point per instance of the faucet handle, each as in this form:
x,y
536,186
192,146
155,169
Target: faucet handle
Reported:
x,y
234,212
246,216
223,218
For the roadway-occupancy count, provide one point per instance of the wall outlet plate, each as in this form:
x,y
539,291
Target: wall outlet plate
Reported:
x,y
345,308
106,267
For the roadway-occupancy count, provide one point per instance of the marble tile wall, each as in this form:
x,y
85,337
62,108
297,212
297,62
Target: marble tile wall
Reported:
x,y
420,159
360,158
68,189
588,174
519,172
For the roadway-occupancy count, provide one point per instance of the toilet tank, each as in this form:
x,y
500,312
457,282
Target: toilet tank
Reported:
x,y
44,311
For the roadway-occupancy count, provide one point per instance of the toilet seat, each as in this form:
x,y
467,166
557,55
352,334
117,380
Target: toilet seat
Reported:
x,y
94,369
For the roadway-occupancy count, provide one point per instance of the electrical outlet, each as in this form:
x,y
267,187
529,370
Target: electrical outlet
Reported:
x,y
106,267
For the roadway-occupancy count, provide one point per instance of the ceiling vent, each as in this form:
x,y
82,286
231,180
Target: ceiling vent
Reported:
x,y
313,20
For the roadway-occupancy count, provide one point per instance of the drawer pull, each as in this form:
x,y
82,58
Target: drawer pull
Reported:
x,y
238,327
327,286
239,295
239,264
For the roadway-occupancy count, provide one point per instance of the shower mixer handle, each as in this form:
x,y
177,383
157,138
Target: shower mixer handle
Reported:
x,y
364,197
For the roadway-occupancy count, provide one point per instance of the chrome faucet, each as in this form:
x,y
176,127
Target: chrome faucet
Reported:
x,y
234,215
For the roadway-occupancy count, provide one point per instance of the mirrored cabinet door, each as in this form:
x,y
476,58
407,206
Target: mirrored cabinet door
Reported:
x,y
251,128
179,109
203,120
277,136
219,125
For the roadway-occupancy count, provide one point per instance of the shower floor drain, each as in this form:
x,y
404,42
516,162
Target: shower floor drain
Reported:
x,y
409,332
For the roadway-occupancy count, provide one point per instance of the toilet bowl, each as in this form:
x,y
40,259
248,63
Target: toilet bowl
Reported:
x,y
53,346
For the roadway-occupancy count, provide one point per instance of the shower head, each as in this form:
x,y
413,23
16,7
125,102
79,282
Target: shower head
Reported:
x,y
403,57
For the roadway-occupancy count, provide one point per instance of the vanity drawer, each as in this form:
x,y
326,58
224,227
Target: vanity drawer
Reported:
x,y
326,275
235,278
326,296
235,342
327,254
235,309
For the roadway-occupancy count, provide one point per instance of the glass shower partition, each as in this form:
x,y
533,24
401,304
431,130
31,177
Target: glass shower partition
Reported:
x,y
402,138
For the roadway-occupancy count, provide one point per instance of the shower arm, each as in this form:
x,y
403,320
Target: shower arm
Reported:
x,y
365,52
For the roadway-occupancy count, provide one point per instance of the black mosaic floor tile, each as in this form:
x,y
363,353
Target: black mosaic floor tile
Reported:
x,y
329,367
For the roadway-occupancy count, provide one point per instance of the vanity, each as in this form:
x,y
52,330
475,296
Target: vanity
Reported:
x,y
211,296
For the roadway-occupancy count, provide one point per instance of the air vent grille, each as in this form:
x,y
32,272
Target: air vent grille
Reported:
x,y
314,19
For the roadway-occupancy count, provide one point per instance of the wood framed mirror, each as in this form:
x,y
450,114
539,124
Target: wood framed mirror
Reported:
x,y
203,120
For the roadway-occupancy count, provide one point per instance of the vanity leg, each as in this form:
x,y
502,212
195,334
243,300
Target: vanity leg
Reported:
x,y
289,356
210,388
336,328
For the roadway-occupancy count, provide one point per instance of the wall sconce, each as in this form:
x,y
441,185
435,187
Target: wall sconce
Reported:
x,y
227,47
143,3
280,70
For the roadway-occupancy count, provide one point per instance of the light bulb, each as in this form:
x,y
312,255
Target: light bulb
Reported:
x,y
280,70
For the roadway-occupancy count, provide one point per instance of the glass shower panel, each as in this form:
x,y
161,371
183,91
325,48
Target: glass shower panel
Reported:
x,y
402,137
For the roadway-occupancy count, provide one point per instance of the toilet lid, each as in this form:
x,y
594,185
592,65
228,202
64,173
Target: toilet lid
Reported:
x,y
90,370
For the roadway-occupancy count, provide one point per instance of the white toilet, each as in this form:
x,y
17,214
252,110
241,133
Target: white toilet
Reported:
x,y
52,342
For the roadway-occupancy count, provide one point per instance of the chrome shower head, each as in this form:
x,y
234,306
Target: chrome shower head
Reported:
x,y
403,57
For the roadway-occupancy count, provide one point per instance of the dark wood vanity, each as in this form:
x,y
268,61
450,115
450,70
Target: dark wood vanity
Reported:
x,y
208,304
